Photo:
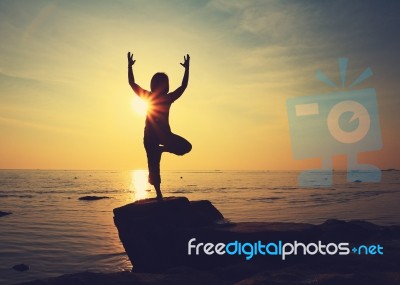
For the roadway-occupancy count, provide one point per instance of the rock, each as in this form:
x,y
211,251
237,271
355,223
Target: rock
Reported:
x,y
176,211
21,267
155,236
93,198
2,214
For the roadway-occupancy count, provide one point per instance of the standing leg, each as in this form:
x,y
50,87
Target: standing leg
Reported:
x,y
158,191
153,151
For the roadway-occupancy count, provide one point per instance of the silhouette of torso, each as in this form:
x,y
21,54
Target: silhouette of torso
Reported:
x,y
157,119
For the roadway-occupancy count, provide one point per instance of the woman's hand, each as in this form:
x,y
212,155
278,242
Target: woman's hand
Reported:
x,y
186,59
130,59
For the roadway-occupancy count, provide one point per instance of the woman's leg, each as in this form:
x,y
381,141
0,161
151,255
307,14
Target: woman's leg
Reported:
x,y
177,145
154,151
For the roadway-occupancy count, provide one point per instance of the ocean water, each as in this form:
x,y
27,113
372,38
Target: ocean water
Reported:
x,y
55,233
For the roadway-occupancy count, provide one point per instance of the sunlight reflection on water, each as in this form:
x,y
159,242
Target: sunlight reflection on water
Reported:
x,y
140,185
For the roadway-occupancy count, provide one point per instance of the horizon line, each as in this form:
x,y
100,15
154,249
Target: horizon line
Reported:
x,y
144,168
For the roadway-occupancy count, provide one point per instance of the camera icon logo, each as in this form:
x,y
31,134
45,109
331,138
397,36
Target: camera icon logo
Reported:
x,y
341,122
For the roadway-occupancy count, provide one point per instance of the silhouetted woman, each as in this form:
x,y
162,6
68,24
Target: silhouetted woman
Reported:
x,y
158,137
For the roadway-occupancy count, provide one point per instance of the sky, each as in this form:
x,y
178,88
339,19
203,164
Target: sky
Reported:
x,y
65,102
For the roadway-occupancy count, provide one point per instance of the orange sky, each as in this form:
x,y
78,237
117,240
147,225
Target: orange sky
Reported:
x,y
65,102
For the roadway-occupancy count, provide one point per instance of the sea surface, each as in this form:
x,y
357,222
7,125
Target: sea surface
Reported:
x,y
55,233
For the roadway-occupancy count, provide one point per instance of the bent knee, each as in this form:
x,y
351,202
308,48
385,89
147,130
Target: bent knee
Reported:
x,y
189,147
185,149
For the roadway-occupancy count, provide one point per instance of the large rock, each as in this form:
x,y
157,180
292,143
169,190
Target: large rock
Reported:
x,y
156,235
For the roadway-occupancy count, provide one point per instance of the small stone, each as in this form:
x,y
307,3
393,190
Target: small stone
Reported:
x,y
21,267
93,198
4,213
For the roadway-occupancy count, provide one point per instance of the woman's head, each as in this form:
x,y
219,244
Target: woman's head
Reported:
x,y
159,83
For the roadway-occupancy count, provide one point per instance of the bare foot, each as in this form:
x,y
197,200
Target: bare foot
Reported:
x,y
158,191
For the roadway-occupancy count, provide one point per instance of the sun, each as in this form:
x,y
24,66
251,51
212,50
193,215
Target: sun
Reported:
x,y
140,106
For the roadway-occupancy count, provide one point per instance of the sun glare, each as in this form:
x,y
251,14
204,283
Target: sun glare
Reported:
x,y
139,106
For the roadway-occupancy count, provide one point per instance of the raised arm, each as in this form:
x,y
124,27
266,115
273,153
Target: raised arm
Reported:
x,y
179,91
131,79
